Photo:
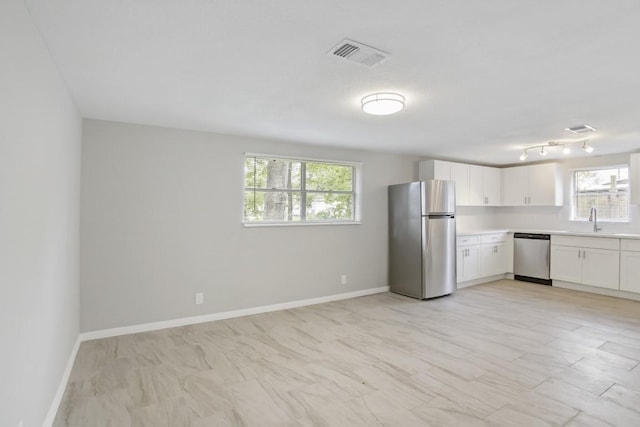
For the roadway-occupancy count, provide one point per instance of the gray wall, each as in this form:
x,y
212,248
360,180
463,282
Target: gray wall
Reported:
x,y
161,218
39,221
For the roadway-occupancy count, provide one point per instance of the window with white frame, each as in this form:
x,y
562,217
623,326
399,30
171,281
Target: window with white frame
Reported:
x,y
605,188
280,190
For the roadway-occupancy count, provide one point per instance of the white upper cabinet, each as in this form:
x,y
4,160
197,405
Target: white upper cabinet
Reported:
x,y
534,185
484,186
475,185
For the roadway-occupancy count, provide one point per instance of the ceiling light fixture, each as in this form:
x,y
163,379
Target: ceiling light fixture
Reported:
x,y
544,148
382,104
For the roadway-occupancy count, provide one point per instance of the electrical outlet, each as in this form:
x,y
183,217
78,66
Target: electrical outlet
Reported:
x,y
343,279
199,298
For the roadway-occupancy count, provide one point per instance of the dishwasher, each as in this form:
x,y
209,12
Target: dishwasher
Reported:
x,y
531,257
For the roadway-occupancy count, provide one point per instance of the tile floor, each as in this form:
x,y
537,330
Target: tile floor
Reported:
x,y
502,354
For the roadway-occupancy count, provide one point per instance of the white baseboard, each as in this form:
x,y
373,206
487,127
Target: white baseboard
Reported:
x,y
596,290
481,280
154,326
55,404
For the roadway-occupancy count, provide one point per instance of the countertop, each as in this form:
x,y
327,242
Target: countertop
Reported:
x,y
554,232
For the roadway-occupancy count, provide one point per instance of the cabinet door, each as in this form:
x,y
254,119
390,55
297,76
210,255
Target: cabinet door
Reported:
x,y
630,271
460,174
514,186
566,263
491,259
492,186
601,268
467,263
476,186
461,252
543,186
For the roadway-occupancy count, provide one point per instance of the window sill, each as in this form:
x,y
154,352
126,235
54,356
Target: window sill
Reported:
x,y
297,224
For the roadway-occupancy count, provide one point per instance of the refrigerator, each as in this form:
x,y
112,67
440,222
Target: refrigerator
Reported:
x,y
422,239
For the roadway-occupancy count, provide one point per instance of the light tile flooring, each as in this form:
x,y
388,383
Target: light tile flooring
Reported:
x,y
505,353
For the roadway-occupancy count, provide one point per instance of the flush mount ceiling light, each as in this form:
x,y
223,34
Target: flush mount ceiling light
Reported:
x,y
552,145
382,104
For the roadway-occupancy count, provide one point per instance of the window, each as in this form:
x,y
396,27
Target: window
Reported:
x,y
287,191
606,189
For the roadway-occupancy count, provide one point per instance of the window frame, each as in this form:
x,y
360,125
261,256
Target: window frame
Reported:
x,y
356,191
573,189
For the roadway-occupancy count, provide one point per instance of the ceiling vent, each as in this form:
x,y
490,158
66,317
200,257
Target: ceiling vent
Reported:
x,y
581,129
359,53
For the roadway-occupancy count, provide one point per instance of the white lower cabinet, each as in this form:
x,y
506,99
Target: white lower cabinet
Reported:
x,y
492,260
566,263
481,255
467,263
630,265
586,260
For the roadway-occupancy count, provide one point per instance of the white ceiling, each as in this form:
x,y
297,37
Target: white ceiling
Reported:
x,y
482,78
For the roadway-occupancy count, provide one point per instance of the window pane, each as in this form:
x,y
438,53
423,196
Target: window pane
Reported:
x,y
273,174
605,189
326,176
255,172
329,206
281,206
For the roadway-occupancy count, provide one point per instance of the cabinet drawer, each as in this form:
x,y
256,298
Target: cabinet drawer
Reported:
x,y
630,245
493,238
468,240
586,242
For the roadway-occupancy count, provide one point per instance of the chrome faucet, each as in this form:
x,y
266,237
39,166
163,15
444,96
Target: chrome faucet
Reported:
x,y
593,216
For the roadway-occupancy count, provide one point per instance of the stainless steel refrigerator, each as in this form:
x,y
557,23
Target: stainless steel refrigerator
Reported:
x,y
422,239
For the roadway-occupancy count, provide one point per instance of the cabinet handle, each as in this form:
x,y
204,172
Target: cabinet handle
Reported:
x,y
584,255
486,200
578,253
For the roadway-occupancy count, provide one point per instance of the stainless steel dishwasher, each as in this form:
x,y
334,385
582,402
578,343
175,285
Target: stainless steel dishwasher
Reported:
x,y
531,257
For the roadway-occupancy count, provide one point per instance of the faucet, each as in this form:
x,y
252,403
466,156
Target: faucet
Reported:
x,y
593,216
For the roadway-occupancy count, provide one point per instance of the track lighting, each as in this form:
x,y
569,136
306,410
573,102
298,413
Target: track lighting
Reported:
x,y
544,148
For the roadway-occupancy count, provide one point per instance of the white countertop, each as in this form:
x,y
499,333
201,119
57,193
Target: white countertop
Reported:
x,y
552,232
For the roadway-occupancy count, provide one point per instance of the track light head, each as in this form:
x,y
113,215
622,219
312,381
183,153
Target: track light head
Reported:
x,y
524,156
587,148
